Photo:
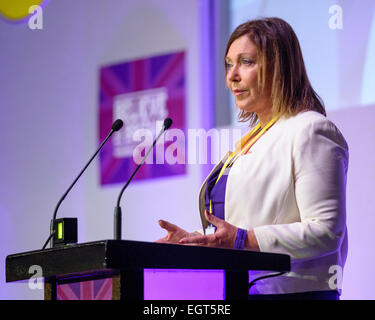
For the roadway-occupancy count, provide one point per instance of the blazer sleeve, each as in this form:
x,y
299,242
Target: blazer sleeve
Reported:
x,y
320,164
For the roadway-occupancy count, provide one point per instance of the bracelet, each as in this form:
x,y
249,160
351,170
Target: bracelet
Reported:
x,y
240,239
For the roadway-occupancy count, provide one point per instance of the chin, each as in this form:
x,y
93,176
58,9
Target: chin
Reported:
x,y
245,108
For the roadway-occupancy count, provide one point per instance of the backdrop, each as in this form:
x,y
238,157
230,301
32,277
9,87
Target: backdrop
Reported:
x,y
49,120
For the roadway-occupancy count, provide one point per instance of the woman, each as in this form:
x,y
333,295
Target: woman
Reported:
x,y
283,189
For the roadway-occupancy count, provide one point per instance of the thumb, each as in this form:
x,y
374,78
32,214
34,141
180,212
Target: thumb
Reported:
x,y
212,219
167,225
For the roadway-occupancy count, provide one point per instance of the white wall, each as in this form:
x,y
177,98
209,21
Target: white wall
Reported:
x,y
357,126
49,122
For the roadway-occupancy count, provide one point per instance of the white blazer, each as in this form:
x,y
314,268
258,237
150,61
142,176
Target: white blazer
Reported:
x,y
290,189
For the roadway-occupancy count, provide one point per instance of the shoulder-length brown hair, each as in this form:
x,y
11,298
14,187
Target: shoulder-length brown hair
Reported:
x,y
280,61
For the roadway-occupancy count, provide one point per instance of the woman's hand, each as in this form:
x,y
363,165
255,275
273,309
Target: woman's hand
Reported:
x,y
224,237
175,233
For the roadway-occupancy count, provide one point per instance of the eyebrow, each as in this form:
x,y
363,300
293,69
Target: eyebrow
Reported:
x,y
242,54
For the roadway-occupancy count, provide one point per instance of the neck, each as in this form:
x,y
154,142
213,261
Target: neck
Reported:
x,y
264,118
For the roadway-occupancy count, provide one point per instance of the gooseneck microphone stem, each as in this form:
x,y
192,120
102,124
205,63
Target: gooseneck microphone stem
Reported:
x,y
117,211
49,238
115,127
137,168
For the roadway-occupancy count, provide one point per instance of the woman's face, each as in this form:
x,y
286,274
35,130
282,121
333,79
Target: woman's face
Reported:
x,y
242,77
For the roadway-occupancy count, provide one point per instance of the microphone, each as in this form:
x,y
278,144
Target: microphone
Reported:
x,y
116,126
117,212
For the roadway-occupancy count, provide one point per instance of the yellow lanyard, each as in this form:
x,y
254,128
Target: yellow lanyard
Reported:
x,y
246,143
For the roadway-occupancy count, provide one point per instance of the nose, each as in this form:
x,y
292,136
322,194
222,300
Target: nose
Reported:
x,y
233,74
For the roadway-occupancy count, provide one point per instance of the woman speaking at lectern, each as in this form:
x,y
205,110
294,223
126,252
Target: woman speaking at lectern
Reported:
x,y
282,189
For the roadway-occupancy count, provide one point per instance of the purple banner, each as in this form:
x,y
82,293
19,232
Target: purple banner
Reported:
x,y
142,93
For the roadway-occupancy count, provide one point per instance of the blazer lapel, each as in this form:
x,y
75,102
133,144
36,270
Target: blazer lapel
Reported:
x,y
202,193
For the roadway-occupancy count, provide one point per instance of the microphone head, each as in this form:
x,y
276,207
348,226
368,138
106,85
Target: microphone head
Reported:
x,y
117,125
167,123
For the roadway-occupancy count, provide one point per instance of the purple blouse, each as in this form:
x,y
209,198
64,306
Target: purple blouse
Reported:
x,y
216,192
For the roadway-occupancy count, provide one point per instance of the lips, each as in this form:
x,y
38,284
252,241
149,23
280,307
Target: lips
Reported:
x,y
238,92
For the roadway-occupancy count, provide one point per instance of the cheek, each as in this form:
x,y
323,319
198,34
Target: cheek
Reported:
x,y
252,79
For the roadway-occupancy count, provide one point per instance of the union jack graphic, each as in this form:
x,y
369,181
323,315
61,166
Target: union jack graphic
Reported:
x,y
100,289
140,92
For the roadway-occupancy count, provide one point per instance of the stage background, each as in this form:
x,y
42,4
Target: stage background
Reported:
x,y
49,121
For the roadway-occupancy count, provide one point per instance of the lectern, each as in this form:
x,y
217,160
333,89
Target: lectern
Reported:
x,y
119,264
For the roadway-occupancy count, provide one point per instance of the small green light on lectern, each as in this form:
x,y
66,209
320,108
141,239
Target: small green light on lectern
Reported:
x,y
60,230
65,230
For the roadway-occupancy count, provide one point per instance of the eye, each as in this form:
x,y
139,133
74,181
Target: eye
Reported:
x,y
247,62
228,65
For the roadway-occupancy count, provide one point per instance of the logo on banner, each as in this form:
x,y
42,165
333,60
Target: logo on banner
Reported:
x,y
140,111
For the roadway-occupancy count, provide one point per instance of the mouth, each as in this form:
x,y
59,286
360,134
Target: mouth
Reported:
x,y
238,92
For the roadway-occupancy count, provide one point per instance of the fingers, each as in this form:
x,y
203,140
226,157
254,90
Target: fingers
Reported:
x,y
197,240
162,240
212,219
167,225
221,238
210,240
205,240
